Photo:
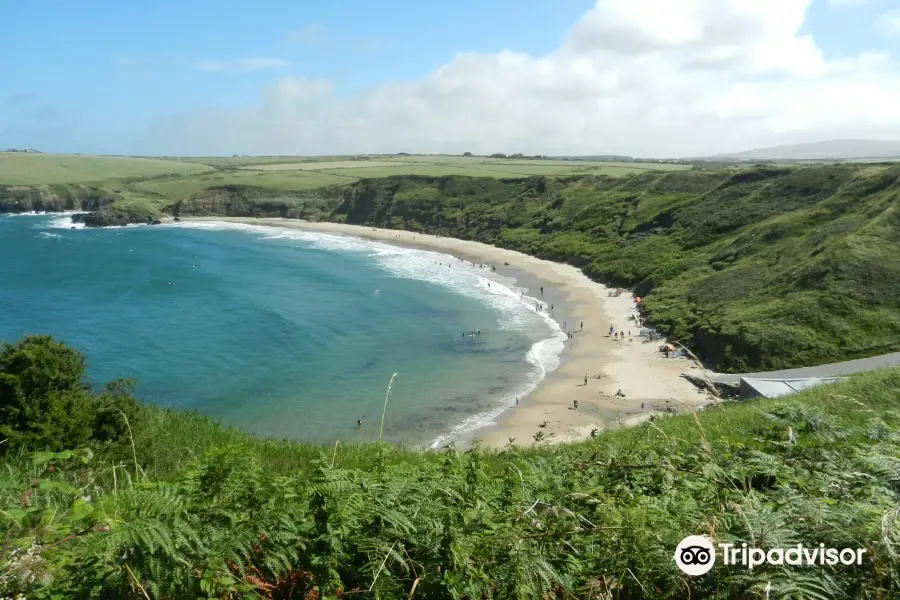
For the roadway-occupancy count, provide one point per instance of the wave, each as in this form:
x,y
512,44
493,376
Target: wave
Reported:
x,y
65,222
515,306
38,213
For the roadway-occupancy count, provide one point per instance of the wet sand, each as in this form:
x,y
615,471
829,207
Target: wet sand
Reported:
x,y
632,365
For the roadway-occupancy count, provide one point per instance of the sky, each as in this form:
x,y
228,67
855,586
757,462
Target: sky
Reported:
x,y
650,78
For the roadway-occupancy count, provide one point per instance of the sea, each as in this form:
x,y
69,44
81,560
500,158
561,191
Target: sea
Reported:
x,y
284,333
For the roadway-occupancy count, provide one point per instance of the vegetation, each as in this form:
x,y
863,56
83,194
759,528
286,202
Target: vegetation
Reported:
x,y
148,186
18,168
757,269
191,510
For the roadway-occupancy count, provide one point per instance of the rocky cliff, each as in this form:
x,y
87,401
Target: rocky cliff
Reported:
x,y
245,201
54,198
113,218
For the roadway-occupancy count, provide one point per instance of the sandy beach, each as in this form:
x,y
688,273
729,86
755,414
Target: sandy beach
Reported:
x,y
633,365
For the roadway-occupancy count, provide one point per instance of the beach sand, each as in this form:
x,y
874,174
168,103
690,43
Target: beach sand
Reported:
x,y
632,365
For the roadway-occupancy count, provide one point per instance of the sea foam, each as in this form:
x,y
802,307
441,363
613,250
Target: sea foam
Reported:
x,y
517,310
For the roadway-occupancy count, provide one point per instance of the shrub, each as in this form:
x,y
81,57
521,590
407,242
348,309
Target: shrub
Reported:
x,y
46,403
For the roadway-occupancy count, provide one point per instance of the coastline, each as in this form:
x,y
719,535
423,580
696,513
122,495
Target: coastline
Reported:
x,y
635,367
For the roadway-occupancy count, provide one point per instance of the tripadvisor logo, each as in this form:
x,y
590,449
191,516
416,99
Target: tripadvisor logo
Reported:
x,y
695,555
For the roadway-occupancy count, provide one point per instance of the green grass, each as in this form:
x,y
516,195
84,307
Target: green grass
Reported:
x,y
18,168
325,165
150,185
175,189
195,510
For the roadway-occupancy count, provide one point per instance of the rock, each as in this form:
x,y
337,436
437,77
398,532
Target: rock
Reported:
x,y
110,218
177,219
156,222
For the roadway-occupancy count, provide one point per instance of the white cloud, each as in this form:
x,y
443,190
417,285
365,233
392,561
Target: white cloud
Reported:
x,y
243,64
889,22
846,2
639,77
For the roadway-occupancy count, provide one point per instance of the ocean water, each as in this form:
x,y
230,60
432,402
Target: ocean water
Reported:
x,y
282,332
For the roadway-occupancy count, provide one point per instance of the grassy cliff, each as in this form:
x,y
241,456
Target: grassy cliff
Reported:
x,y
758,269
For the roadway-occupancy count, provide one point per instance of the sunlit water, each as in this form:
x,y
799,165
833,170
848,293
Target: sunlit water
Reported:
x,y
282,332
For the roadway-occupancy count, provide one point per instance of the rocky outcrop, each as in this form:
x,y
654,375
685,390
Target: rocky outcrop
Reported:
x,y
54,198
245,201
113,218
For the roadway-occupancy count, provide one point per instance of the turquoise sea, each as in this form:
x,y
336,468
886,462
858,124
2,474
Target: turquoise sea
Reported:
x,y
282,332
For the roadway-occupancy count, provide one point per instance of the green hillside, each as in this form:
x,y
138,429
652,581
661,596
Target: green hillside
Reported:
x,y
758,269
154,504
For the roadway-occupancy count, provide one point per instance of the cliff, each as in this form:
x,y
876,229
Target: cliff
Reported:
x,y
245,201
54,198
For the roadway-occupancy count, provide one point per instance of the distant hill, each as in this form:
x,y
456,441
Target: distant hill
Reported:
x,y
830,149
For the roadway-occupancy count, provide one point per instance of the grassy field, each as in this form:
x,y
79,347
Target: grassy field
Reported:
x,y
149,185
18,168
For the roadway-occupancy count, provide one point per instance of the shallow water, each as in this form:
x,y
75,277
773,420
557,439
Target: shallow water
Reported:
x,y
282,332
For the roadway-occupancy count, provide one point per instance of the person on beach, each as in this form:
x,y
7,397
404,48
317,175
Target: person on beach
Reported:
x,y
551,308
542,290
642,406
517,401
585,379
359,422
582,326
611,330
575,404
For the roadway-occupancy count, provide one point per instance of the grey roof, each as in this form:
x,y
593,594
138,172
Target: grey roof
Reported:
x,y
773,388
828,370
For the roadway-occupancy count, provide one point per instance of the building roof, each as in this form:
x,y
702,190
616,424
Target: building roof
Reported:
x,y
773,388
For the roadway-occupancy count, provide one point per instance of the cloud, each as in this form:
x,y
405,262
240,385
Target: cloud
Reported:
x,y
889,23
243,65
305,35
637,77
846,2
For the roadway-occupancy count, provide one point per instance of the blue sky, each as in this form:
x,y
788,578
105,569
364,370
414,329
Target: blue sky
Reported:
x,y
94,76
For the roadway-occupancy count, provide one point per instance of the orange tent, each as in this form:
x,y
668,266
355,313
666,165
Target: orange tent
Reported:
x,y
637,299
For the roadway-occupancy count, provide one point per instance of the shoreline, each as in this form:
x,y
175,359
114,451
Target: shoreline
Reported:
x,y
636,367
